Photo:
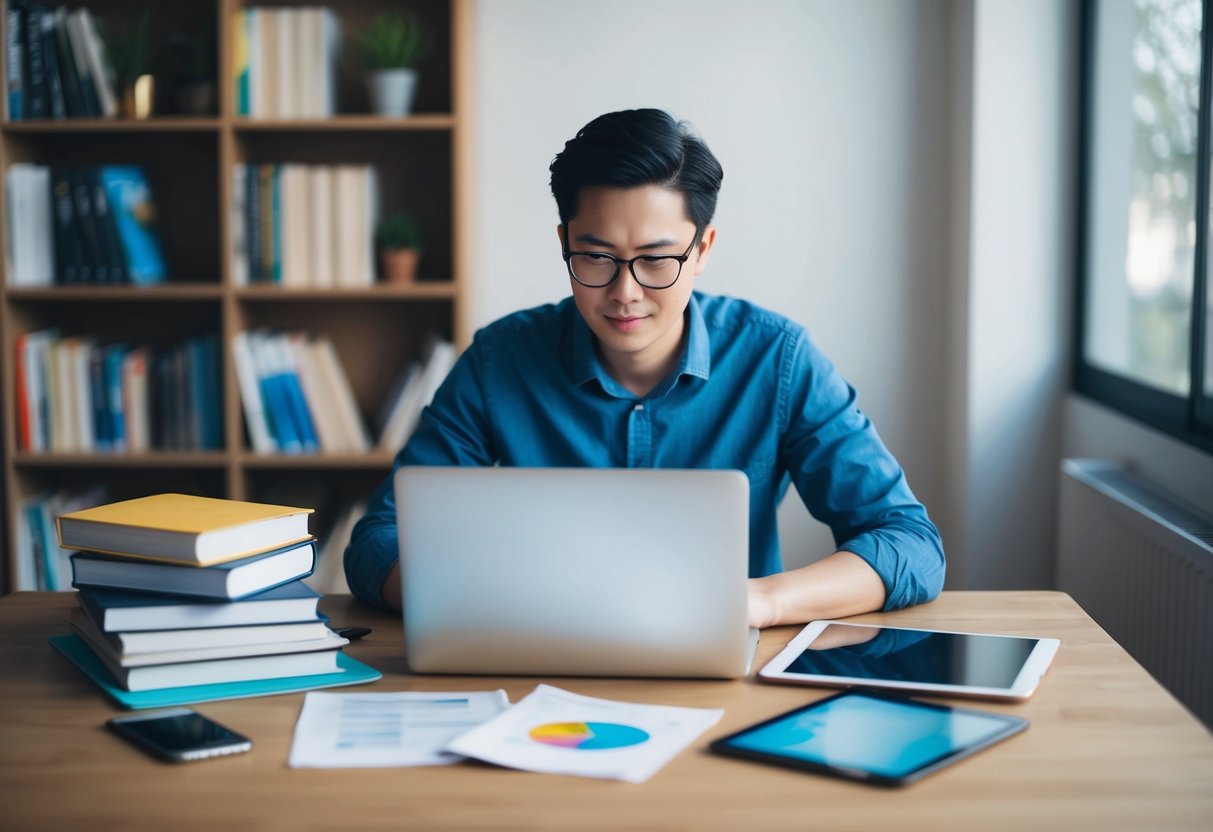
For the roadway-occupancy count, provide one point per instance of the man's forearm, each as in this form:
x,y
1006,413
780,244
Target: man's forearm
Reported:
x,y
836,586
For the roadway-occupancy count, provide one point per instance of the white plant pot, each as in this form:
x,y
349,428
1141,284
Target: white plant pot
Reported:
x,y
392,91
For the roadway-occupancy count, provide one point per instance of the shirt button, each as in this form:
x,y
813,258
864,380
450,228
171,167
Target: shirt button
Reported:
x,y
638,408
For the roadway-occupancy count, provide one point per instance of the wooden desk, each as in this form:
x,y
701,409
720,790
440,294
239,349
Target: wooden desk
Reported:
x,y
1108,749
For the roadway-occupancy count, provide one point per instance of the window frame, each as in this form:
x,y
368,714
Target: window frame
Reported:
x,y
1187,418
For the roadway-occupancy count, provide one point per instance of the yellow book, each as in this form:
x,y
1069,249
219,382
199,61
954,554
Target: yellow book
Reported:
x,y
183,528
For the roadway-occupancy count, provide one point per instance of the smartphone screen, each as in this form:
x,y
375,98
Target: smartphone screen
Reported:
x,y
878,738
179,734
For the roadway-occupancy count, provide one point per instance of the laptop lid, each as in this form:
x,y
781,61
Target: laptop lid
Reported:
x,y
574,571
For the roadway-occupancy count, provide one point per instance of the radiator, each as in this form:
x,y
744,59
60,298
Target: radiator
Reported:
x,y
1141,564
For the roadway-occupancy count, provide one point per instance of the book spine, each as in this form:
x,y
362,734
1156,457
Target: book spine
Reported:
x,y
80,59
99,400
69,78
37,105
113,356
132,206
54,77
93,269
107,232
14,40
67,236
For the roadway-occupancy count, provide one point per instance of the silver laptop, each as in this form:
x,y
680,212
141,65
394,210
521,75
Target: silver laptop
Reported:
x,y
575,571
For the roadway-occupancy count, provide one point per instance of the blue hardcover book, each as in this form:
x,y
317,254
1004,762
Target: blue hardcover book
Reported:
x,y
50,56
134,213
276,222
352,672
103,433
14,42
112,372
37,103
228,581
116,611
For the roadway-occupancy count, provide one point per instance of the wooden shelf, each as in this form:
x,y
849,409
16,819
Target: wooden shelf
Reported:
x,y
423,164
351,123
116,294
150,459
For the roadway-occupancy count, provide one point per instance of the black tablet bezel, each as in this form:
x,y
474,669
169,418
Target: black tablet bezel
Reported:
x,y
723,745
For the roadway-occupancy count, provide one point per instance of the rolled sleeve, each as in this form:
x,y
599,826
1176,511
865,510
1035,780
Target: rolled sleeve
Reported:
x,y
849,480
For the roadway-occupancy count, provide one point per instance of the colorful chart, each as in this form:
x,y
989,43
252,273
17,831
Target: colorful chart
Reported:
x,y
588,736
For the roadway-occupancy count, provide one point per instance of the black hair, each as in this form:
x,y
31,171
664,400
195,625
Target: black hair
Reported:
x,y
631,148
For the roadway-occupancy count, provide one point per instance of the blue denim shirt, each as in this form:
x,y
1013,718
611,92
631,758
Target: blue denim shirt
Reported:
x,y
751,392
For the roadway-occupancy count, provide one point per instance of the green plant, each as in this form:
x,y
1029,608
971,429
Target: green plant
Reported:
x,y
129,49
394,41
397,231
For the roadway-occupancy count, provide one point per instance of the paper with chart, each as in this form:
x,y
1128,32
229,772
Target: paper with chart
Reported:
x,y
368,730
559,732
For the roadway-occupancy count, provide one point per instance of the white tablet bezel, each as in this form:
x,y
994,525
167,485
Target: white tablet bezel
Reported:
x,y
1025,684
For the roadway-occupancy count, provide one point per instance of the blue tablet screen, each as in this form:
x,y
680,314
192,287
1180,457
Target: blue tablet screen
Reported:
x,y
880,736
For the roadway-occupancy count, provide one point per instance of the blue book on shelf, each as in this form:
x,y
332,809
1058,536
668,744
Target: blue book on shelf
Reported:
x,y
112,371
353,672
134,214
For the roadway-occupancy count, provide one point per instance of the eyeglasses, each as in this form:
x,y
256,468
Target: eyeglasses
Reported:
x,y
596,269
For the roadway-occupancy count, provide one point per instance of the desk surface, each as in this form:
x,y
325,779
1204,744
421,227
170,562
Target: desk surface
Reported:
x,y
1108,748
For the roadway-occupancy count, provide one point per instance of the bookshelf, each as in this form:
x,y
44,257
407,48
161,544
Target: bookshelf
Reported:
x,y
422,163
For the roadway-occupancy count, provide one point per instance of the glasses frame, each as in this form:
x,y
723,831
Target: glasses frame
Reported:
x,y
630,263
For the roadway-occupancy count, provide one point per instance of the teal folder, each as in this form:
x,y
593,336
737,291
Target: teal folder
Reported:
x,y
353,672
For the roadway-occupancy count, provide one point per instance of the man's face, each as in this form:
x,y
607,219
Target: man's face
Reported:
x,y
638,329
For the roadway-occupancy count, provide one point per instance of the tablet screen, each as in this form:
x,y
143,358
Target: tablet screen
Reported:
x,y
918,656
856,732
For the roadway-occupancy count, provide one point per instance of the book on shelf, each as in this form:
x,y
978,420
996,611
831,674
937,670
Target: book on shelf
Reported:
x,y
304,226
76,395
413,393
57,64
41,563
121,611
134,212
295,395
107,646
184,528
30,241
229,580
285,62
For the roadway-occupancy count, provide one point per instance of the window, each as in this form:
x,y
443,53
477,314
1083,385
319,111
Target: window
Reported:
x,y
1144,314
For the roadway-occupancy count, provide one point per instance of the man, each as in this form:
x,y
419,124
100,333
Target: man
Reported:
x,y
638,370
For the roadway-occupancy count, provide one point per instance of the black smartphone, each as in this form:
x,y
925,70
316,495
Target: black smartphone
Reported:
x,y
876,738
178,735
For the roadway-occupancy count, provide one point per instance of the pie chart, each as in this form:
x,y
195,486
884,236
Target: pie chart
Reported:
x,y
588,736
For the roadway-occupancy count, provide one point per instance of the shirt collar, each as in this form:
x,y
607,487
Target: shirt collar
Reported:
x,y
696,358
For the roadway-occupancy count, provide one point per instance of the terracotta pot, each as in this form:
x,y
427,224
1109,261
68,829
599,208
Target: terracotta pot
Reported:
x,y
399,265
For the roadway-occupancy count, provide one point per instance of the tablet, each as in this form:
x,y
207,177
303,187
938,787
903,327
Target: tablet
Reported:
x,y
876,738
843,654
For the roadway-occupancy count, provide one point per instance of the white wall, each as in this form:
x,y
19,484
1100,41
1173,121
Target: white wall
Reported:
x,y
1017,284
831,121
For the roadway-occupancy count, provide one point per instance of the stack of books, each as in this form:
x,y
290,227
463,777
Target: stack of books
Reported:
x,y
178,590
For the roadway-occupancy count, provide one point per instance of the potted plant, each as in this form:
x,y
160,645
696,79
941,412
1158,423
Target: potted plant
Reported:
x,y
398,240
390,49
129,53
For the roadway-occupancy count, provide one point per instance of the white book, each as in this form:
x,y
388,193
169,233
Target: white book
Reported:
x,y
256,75
290,210
104,644
36,357
155,641
331,25
439,363
247,669
287,74
30,239
81,356
320,206
98,62
356,436
307,61
347,226
329,434
135,406
240,259
62,401
250,395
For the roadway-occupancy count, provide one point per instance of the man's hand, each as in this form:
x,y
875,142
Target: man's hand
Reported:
x,y
836,586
